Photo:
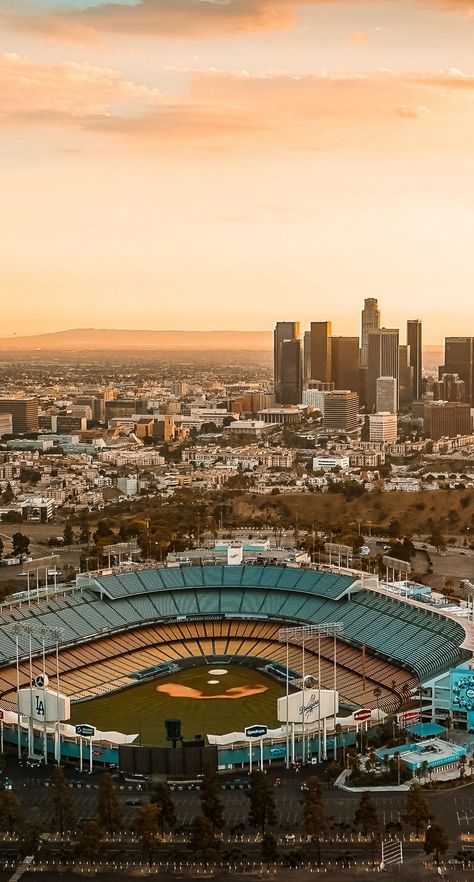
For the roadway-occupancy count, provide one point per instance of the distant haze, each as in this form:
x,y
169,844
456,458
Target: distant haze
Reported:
x,y
97,339
108,339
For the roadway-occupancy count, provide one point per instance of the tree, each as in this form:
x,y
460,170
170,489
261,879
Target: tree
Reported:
x,y
262,802
147,828
211,805
366,818
269,849
416,809
21,543
68,533
337,737
378,694
109,812
61,799
436,840
203,838
314,816
90,841
161,797
9,811
7,495
84,533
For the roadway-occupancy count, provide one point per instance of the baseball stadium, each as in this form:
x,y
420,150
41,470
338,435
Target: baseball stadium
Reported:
x,y
202,643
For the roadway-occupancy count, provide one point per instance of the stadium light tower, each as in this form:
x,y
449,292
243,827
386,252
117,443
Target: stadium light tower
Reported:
x,y
299,635
42,634
469,586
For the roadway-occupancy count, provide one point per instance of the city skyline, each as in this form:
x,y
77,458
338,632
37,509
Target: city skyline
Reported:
x,y
204,165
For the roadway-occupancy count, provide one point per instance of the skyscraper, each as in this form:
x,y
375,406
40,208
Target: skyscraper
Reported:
x,y
459,359
406,381
283,331
386,395
370,320
341,410
414,341
24,413
321,351
383,361
345,363
446,419
306,357
291,372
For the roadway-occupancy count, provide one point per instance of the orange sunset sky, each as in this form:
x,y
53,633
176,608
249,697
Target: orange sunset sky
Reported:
x,y
198,164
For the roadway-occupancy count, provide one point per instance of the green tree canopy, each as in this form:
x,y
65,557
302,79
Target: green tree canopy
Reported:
x,y
61,799
211,805
314,815
262,801
109,812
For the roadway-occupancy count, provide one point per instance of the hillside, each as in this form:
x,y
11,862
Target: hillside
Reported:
x,y
109,339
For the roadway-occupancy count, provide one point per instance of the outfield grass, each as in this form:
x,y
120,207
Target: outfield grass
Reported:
x,y
142,709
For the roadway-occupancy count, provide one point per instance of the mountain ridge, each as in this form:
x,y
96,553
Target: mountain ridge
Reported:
x,y
109,338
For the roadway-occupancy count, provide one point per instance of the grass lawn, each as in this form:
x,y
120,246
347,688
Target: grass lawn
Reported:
x,y
239,698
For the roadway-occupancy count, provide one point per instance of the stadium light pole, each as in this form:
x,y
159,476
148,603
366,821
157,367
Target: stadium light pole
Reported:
x,y
299,635
16,629
287,705
41,634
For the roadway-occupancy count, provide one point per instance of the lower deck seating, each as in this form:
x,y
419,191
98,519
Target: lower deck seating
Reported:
x,y
109,663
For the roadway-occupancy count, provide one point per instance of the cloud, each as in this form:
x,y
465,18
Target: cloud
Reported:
x,y
65,90
193,19
238,111
174,18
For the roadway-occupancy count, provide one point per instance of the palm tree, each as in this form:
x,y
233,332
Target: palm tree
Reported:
x,y
425,770
377,694
337,734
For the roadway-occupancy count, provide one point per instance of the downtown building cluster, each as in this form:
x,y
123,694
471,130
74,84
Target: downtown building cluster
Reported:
x,y
374,374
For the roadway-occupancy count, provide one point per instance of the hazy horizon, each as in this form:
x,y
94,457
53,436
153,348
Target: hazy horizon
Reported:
x,y
226,338
208,165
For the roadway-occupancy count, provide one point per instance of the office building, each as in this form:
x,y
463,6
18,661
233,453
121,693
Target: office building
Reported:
x,y
67,422
124,407
291,377
449,388
314,398
383,361
286,332
383,427
370,321
6,424
414,341
24,413
321,333
327,463
406,375
345,363
386,395
341,410
37,509
446,419
306,357
459,359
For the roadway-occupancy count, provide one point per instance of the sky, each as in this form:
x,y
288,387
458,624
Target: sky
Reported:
x,y
210,164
